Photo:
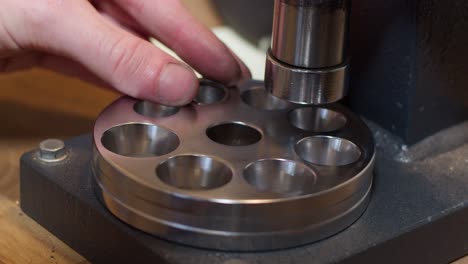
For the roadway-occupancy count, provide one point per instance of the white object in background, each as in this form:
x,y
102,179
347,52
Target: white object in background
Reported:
x,y
253,57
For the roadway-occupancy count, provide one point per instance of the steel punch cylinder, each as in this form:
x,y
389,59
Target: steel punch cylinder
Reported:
x,y
307,62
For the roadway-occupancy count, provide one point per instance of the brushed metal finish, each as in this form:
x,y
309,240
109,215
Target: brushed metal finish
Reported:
x,y
243,173
306,86
310,34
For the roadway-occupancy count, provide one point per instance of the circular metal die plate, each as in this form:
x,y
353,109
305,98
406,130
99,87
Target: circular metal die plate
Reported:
x,y
238,169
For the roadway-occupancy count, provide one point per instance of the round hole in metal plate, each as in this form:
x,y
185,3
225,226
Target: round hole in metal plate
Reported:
x,y
259,98
194,172
154,110
328,151
316,119
140,140
234,134
210,92
280,176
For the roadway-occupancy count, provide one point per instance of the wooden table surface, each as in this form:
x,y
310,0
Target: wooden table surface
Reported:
x,y
36,105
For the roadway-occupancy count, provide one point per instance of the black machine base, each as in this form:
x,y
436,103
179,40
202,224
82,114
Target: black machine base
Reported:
x,y
418,214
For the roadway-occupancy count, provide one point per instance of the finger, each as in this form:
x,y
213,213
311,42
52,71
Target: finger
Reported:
x,y
171,23
135,31
116,15
246,74
130,64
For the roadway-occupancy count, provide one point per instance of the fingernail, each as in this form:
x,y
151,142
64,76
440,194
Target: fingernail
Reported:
x,y
177,85
245,74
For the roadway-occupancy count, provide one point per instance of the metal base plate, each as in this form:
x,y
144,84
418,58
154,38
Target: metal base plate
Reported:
x,y
418,214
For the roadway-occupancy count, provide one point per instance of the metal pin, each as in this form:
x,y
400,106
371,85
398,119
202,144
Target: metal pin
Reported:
x,y
52,150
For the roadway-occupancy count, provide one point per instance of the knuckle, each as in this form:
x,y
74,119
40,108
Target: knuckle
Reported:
x,y
123,55
130,63
43,14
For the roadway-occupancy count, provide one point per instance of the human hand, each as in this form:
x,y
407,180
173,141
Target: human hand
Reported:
x,y
104,41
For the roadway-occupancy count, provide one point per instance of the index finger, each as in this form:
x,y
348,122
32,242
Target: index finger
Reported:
x,y
171,23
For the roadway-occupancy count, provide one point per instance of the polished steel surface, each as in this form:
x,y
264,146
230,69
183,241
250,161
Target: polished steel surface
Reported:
x,y
234,134
205,172
259,98
310,34
140,140
307,62
152,110
245,172
280,176
210,92
305,86
328,151
317,119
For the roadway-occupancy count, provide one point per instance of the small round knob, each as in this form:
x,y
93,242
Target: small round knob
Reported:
x,y
52,150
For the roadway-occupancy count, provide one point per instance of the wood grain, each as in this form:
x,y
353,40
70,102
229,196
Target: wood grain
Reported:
x,y
24,241
36,105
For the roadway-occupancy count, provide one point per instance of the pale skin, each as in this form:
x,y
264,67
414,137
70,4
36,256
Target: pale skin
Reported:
x,y
105,42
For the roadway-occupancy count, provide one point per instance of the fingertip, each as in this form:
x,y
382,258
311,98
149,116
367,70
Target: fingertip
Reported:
x,y
246,75
232,71
241,74
177,85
